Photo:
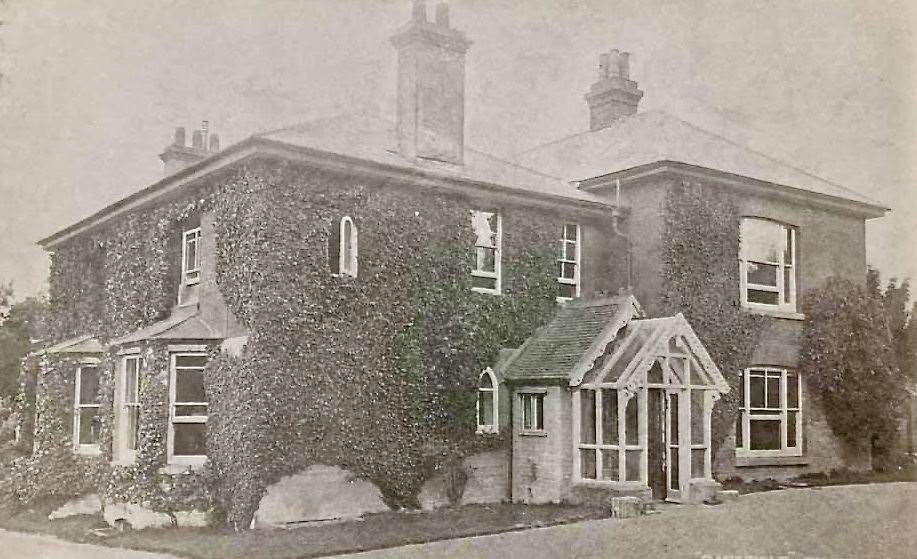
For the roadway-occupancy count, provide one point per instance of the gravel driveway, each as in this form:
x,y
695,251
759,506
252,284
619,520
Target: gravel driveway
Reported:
x,y
853,521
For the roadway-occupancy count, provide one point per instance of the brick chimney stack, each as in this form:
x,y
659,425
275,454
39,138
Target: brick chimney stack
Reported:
x,y
430,118
614,95
179,155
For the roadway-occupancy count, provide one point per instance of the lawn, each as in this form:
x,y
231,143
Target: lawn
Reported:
x,y
374,531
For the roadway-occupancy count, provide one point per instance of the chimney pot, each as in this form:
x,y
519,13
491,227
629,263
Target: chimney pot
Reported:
x,y
419,11
179,136
614,95
624,65
442,14
197,140
214,142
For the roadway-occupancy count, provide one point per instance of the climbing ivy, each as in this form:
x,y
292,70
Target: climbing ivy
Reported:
x,y
700,278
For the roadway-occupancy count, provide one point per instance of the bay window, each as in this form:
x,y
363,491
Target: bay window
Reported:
x,y
767,261
87,423
188,410
770,413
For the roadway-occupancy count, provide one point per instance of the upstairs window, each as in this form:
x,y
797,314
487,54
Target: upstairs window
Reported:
x,y
188,410
343,247
768,259
487,402
191,256
87,423
488,233
568,262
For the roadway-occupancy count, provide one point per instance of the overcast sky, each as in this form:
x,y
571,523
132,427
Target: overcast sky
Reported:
x,y
92,90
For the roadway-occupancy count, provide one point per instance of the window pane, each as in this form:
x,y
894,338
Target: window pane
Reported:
x,y
183,410
539,415
756,392
587,463
191,253
787,295
190,439
587,416
762,274
566,290
791,428
773,392
89,385
189,386
631,427
485,407
90,426
190,360
570,232
765,434
673,467
610,417
610,465
483,283
697,417
742,390
673,419
528,411
654,375
740,433
763,297
632,465
788,247
130,384
487,259
697,462
792,390
486,381
132,429
762,240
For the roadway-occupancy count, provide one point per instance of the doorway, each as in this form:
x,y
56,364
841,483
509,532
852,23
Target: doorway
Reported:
x,y
656,444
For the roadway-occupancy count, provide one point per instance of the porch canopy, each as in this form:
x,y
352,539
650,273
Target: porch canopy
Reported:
x,y
642,393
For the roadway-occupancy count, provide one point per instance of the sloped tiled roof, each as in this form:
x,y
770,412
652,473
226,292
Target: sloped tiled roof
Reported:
x,y
79,344
374,139
185,323
555,351
655,136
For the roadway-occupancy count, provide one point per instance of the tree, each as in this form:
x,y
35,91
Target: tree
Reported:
x,y
850,360
23,324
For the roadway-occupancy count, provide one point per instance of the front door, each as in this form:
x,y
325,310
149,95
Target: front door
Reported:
x,y
656,443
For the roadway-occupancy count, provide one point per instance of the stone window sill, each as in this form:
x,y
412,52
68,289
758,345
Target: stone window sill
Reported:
x,y
531,433
775,313
752,461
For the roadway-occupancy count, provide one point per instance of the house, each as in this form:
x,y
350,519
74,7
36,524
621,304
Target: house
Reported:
x,y
307,253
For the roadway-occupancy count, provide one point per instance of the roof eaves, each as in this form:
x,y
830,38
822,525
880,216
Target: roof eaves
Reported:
x,y
869,209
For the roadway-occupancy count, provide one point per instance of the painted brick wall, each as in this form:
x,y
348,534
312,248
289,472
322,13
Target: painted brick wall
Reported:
x,y
542,462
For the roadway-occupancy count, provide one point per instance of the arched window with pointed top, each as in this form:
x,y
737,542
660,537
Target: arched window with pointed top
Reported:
x,y
343,248
487,405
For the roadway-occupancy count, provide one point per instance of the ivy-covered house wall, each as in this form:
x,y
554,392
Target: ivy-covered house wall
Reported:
x,y
376,374
685,235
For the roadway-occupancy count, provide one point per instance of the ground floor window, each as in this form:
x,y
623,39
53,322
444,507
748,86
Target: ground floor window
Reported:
x,y
87,423
610,441
532,405
487,406
127,406
770,418
188,409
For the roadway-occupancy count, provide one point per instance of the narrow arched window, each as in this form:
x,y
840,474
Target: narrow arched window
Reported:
x,y
487,402
342,248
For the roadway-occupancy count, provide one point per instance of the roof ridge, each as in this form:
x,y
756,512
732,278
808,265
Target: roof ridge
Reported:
x,y
773,158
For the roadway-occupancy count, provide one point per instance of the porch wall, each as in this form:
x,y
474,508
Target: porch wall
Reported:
x,y
542,463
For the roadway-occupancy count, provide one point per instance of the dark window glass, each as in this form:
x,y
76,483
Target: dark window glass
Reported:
x,y
763,297
673,468
190,439
740,433
697,417
184,410
791,429
89,385
485,408
765,434
566,290
483,283
90,426
587,463
610,417
539,404
762,274
773,391
756,391
190,360
632,414
673,419
698,466
632,465
587,416
132,417
610,465
189,386
792,390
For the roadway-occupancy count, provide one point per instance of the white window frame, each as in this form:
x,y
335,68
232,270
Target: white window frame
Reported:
x,y
491,392
191,276
348,266
183,460
743,447
122,454
565,258
537,419
497,245
91,449
786,272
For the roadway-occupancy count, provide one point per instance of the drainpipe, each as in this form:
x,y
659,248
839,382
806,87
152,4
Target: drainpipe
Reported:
x,y
616,218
